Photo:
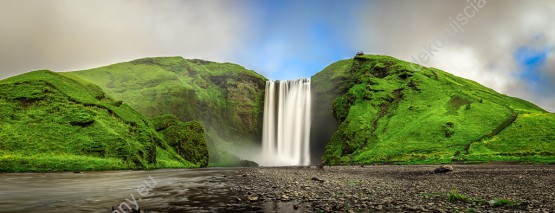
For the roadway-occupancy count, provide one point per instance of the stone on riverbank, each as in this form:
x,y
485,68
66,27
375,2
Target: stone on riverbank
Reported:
x,y
443,169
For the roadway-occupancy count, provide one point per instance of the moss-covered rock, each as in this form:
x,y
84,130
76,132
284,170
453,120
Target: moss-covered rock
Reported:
x,y
187,138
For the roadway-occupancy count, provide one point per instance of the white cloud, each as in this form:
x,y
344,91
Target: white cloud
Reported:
x,y
68,35
484,52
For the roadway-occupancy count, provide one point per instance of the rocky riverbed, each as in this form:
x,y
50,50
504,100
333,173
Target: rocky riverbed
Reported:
x,y
384,188
393,188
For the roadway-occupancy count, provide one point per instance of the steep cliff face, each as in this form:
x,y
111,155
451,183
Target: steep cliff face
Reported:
x,y
327,85
226,98
53,122
387,112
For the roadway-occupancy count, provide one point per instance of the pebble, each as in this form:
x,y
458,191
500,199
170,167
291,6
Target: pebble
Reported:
x,y
400,188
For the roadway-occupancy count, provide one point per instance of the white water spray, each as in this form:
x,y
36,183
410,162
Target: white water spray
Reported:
x,y
286,130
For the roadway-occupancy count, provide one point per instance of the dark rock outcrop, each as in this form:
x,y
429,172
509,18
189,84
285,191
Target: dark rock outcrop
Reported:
x,y
443,169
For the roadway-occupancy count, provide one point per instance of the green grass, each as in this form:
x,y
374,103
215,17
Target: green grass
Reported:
x,y
387,112
431,195
503,203
52,122
470,210
530,138
225,97
168,158
454,196
354,182
46,162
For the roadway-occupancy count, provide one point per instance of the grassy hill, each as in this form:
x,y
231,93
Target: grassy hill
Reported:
x,y
387,112
56,122
226,98
156,112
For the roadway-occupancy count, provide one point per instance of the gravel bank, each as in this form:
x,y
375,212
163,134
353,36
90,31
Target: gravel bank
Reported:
x,y
473,188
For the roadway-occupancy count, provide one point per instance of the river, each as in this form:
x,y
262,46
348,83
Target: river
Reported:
x,y
164,190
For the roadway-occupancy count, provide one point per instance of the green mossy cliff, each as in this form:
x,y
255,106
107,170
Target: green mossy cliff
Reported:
x,y
226,98
56,122
388,112
172,112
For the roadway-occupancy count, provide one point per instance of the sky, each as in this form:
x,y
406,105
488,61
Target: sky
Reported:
x,y
507,45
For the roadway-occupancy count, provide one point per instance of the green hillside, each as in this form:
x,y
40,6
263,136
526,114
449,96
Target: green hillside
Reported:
x,y
56,122
226,98
387,112
159,113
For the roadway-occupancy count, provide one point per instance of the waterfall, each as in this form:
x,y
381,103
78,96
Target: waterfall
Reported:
x,y
286,130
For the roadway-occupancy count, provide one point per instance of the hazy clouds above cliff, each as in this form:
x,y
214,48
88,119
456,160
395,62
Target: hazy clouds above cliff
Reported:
x,y
67,35
505,45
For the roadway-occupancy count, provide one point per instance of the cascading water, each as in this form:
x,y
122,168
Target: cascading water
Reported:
x,y
286,130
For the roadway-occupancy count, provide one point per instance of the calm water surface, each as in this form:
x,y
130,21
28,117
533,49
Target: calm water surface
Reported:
x,y
175,190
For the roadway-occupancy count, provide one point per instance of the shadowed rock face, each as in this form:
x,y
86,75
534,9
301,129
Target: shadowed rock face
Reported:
x,y
443,169
327,85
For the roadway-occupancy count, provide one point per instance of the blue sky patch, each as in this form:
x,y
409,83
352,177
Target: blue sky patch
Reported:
x,y
297,39
531,60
